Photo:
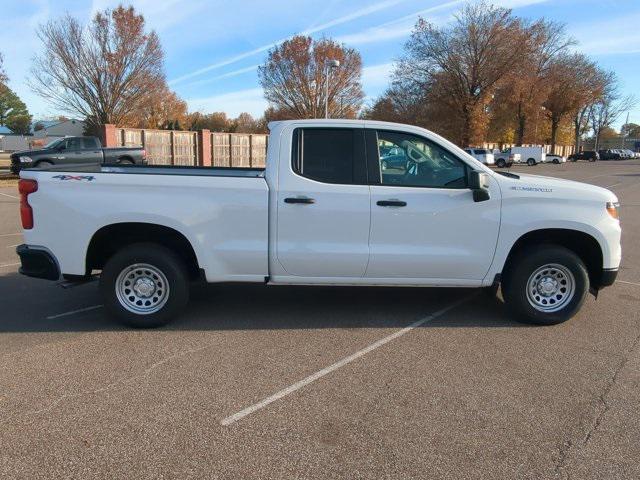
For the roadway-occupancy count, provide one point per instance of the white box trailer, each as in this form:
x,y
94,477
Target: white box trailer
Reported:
x,y
530,155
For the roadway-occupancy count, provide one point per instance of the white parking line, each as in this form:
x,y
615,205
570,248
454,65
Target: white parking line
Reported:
x,y
73,312
345,361
13,246
614,185
10,196
10,234
9,265
628,283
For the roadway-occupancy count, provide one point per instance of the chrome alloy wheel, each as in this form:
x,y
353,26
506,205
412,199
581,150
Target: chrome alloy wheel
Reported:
x,y
142,289
550,288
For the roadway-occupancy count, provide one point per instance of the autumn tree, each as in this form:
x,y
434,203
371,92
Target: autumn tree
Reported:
x,y
464,61
294,79
215,121
631,130
164,110
105,71
573,82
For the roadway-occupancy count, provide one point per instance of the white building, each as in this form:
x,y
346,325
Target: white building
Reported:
x,y
73,128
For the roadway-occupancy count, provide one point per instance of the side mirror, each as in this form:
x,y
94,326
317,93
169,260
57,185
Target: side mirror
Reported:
x,y
479,185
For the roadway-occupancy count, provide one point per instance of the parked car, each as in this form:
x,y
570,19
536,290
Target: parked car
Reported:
x,y
322,213
589,155
393,158
609,154
506,158
630,153
481,154
553,158
531,155
76,150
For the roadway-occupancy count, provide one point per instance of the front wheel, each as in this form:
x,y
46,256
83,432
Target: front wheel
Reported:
x,y
545,287
144,285
501,163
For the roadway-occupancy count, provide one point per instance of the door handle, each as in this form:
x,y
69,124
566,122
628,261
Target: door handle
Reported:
x,y
303,200
391,203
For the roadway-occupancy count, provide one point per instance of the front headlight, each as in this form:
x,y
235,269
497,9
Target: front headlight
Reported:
x,y
614,209
25,160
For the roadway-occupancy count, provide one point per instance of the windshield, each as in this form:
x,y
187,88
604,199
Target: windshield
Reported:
x,y
54,143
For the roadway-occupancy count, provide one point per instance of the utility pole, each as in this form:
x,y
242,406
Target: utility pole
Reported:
x,y
330,65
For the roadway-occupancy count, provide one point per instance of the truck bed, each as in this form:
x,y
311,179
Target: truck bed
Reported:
x,y
158,170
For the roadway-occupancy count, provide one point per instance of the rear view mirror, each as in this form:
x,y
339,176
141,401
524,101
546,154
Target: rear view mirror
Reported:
x,y
479,185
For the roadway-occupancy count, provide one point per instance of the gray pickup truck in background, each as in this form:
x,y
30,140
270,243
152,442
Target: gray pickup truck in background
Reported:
x,y
74,151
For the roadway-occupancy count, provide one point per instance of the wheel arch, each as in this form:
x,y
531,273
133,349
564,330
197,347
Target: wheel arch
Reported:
x,y
110,238
581,243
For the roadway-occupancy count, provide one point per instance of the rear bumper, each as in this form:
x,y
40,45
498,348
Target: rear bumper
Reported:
x,y
37,263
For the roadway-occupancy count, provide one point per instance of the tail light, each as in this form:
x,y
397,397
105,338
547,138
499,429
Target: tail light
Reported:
x,y
144,154
25,187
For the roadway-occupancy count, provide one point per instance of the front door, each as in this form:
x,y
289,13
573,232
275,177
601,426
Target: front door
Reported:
x,y
323,204
424,221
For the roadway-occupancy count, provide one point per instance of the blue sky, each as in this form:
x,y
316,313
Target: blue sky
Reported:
x,y
213,47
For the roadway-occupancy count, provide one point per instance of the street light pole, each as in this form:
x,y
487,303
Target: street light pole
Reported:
x,y
331,64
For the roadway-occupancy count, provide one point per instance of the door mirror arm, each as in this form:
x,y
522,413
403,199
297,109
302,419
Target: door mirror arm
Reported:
x,y
479,185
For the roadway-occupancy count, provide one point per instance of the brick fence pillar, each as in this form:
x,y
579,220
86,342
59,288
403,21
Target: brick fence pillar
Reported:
x,y
204,148
108,135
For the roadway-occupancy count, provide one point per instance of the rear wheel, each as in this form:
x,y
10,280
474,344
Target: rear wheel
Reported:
x,y
501,163
531,162
545,287
556,161
144,285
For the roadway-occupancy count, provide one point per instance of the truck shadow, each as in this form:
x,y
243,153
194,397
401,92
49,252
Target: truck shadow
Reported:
x,y
29,304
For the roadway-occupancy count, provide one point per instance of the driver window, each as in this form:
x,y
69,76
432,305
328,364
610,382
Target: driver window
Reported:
x,y
73,144
411,161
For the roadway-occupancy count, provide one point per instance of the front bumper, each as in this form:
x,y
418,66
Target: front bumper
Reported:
x,y
608,277
37,263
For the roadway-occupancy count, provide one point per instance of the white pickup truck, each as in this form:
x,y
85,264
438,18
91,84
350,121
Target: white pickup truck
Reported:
x,y
323,212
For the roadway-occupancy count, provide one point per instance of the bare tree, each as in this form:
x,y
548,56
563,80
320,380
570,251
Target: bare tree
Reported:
x,y
464,61
104,72
608,108
3,76
295,75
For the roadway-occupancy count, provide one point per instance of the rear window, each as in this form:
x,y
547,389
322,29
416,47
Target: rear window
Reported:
x,y
90,142
327,154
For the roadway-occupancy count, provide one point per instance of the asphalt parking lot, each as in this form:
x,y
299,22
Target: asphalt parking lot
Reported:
x,y
284,382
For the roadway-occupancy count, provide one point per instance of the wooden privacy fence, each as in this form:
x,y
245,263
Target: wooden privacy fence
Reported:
x,y
201,148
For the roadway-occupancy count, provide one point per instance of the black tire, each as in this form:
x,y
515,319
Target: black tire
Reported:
x,y
516,279
556,161
531,162
501,163
163,260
